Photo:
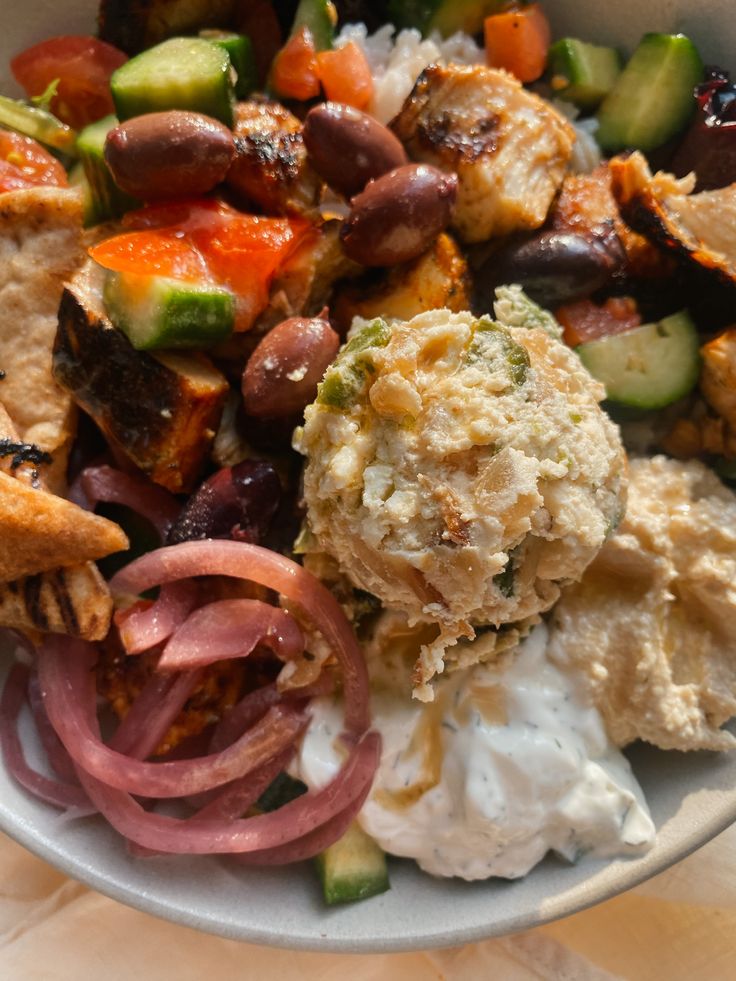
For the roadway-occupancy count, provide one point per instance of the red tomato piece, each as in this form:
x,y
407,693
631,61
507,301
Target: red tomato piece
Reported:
x,y
23,164
83,66
295,71
157,251
585,321
346,75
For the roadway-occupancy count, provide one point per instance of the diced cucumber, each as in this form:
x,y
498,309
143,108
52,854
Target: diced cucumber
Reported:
x,y
445,16
108,201
181,73
320,17
652,101
353,868
37,123
583,73
158,312
240,51
647,367
283,790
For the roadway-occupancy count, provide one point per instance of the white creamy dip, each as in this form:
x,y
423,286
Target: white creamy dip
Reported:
x,y
507,763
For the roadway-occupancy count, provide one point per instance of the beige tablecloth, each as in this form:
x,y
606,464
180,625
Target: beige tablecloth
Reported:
x,y
680,926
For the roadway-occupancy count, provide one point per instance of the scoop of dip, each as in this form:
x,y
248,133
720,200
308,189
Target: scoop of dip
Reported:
x,y
461,469
508,763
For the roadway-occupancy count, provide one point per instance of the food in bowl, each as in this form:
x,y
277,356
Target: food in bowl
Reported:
x,y
411,258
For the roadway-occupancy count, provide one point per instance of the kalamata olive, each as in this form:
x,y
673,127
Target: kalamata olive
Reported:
x,y
348,148
169,154
238,502
555,267
398,216
282,374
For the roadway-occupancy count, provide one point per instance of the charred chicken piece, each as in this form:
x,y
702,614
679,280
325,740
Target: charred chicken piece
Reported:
x,y
718,375
439,278
701,228
161,410
508,147
271,171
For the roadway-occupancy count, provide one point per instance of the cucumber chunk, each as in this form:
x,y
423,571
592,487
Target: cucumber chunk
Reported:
x,y
320,17
583,73
181,73
353,868
647,367
652,101
240,51
158,312
283,790
37,123
78,179
107,200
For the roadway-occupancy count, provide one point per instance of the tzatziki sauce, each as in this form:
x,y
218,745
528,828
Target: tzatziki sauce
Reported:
x,y
509,762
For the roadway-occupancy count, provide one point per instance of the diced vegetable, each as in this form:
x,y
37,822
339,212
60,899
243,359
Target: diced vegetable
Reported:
x,y
652,101
347,375
283,790
295,71
24,163
160,410
445,16
583,73
242,58
709,147
353,868
78,178
37,123
158,312
319,17
585,320
346,75
107,200
518,40
83,67
647,367
181,73
134,25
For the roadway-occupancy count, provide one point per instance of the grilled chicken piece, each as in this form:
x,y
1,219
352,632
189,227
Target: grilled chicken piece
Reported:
x,y
40,247
74,601
718,375
586,206
699,227
270,170
161,410
439,278
508,147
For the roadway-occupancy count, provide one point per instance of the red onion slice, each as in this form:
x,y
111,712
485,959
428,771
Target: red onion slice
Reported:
x,y
242,561
107,484
52,791
68,690
231,628
243,715
264,831
61,762
140,629
152,714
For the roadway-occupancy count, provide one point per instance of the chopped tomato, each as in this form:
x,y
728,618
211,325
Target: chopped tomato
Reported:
x,y
258,20
82,65
158,251
518,40
585,321
24,163
295,71
207,238
346,75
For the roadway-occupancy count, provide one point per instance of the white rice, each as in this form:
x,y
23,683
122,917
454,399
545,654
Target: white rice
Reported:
x,y
397,61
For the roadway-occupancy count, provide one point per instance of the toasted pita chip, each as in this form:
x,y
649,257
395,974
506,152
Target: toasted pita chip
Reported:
x,y
74,601
40,247
40,531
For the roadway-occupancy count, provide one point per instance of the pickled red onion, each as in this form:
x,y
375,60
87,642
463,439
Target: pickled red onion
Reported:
x,y
140,629
68,691
242,561
113,486
231,628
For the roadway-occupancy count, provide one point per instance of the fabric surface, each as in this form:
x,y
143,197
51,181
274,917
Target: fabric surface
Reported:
x,y
679,926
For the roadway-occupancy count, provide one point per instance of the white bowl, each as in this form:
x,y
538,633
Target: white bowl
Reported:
x,y
692,796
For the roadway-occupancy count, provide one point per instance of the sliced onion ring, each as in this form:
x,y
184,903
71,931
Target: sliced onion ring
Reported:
x,y
113,486
142,629
242,561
